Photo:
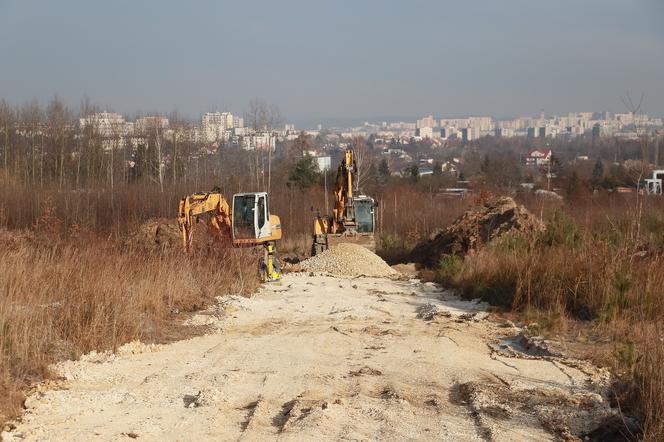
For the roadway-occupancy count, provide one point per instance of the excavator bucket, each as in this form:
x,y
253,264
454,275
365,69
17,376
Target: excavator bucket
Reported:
x,y
325,241
366,241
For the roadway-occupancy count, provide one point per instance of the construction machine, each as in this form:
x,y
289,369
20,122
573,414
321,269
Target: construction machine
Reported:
x,y
248,223
352,219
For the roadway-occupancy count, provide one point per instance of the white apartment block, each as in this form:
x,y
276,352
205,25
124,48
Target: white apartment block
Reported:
x,y
215,125
106,124
425,132
141,125
426,122
259,141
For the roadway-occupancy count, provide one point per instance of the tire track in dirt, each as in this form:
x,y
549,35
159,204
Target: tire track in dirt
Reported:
x,y
324,358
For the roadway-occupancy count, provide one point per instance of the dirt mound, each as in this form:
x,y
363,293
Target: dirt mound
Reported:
x,y
156,233
567,414
495,218
348,259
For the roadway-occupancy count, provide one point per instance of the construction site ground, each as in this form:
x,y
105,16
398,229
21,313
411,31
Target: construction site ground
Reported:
x,y
317,357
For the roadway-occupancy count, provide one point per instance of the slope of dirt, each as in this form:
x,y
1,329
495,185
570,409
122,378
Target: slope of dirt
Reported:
x,y
156,233
476,227
325,358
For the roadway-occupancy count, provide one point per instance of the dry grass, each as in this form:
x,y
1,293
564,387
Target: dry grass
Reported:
x,y
606,271
60,299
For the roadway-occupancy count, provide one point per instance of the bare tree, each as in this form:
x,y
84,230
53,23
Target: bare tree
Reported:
x,y
263,117
362,161
59,116
160,175
6,124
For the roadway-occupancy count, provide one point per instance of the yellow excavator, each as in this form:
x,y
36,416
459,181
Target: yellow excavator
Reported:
x,y
248,223
352,219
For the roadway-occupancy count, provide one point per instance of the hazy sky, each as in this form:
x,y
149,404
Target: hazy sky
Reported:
x,y
322,59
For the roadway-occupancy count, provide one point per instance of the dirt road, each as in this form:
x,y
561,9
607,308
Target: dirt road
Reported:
x,y
317,357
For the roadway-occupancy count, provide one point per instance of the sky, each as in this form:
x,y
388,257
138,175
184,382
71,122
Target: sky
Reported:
x,y
326,60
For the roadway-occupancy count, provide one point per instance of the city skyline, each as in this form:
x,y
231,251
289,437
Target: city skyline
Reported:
x,y
357,61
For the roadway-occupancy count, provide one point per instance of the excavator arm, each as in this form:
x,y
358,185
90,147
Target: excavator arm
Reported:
x,y
218,211
343,192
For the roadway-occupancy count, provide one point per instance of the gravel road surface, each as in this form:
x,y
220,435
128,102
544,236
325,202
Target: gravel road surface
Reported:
x,y
324,358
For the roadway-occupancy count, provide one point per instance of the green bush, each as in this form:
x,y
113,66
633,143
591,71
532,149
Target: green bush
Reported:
x,y
393,249
560,230
448,268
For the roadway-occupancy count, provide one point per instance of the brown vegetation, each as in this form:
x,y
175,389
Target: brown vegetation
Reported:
x,y
72,196
594,266
62,298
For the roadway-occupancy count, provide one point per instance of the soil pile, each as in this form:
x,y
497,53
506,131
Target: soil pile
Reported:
x,y
156,233
348,259
479,226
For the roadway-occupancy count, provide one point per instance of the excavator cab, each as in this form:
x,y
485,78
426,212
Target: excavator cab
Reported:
x,y
252,222
253,225
364,214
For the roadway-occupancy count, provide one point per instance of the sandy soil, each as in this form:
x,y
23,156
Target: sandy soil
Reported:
x,y
320,357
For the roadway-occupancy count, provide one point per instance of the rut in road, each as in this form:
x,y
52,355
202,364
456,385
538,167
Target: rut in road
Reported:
x,y
321,358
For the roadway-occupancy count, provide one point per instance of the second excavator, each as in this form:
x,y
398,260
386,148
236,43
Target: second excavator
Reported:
x,y
352,219
248,223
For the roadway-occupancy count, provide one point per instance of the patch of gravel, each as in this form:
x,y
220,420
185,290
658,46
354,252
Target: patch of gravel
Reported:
x,y
351,260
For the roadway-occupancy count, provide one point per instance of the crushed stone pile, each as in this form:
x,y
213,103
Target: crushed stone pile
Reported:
x,y
476,227
349,260
156,233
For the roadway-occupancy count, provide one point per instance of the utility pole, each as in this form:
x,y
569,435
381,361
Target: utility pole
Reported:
x,y
327,209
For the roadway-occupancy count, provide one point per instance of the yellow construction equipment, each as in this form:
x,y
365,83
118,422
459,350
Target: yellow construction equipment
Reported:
x,y
352,218
247,223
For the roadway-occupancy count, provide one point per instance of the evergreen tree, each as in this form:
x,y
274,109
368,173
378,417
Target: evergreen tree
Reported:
x,y
414,172
383,172
598,173
304,173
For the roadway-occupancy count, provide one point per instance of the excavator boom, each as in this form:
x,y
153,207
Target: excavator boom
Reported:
x,y
214,205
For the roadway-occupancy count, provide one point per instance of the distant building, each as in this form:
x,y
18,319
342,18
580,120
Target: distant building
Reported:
x,y
324,163
449,167
215,125
426,122
143,124
538,157
259,141
106,124
424,132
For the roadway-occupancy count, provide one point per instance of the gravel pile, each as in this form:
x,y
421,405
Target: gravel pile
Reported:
x,y
348,259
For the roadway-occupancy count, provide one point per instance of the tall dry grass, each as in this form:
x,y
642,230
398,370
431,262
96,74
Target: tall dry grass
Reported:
x,y
602,265
59,299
